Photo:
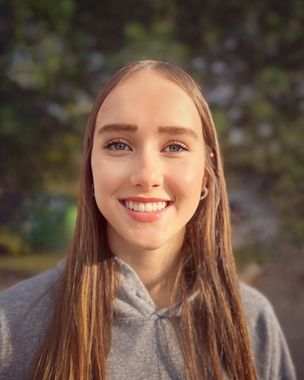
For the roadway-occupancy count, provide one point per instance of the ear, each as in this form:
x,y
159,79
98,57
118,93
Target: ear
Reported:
x,y
204,181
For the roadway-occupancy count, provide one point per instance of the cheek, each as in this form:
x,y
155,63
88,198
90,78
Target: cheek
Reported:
x,y
187,180
105,179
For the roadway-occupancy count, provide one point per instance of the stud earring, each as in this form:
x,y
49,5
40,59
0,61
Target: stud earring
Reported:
x,y
203,195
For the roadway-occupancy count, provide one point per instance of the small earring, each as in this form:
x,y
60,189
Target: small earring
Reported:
x,y
205,193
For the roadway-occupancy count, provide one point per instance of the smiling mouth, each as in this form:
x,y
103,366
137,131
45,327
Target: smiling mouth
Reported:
x,y
147,206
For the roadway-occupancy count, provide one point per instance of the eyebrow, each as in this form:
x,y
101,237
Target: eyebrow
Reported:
x,y
169,130
173,130
117,128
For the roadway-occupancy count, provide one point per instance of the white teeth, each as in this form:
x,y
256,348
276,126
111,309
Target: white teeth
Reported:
x,y
149,207
145,207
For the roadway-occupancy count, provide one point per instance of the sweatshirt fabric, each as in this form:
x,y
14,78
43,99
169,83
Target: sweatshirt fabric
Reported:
x,y
144,345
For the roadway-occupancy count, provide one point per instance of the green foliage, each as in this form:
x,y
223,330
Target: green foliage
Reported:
x,y
247,55
143,42
49,222
221,121
12,244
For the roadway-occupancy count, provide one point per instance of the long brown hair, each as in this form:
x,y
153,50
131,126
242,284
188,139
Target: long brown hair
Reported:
x,y
212,330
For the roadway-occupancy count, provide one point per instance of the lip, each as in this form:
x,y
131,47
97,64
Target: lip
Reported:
x,y
145,216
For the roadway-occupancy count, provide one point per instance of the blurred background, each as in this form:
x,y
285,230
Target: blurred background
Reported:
x,y
248,58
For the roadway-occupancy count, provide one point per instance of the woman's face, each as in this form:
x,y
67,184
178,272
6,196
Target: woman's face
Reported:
x,y
147,163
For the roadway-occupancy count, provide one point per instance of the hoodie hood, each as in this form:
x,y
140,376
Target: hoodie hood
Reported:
x,y
144,343
133,299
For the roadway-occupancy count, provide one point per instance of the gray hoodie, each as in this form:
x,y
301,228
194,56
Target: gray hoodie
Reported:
x,y
144,345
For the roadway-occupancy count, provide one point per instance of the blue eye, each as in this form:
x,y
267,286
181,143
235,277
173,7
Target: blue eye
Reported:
x,y
117,146
175,147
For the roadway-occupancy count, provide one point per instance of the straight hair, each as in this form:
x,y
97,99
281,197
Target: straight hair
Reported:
x,y
212,330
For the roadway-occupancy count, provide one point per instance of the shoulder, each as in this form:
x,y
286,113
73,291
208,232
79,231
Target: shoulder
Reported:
x,y
26,295
25,312
256,305
272,357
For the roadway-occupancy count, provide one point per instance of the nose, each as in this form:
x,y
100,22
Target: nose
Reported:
x,y
147,171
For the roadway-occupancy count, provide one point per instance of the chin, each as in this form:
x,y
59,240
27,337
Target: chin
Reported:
x,y
147,245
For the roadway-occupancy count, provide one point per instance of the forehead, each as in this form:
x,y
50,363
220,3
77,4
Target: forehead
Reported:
x,y
148,96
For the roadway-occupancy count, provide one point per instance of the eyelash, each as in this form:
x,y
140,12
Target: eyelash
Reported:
x,y
109,145
179,144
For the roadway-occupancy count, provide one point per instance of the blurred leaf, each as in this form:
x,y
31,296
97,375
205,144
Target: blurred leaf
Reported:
x,y
274,80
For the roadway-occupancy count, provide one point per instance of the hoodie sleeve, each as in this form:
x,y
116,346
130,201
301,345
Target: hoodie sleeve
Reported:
x,y
25,312
271,353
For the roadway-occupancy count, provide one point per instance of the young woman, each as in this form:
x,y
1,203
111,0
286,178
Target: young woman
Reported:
x,y
149,289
